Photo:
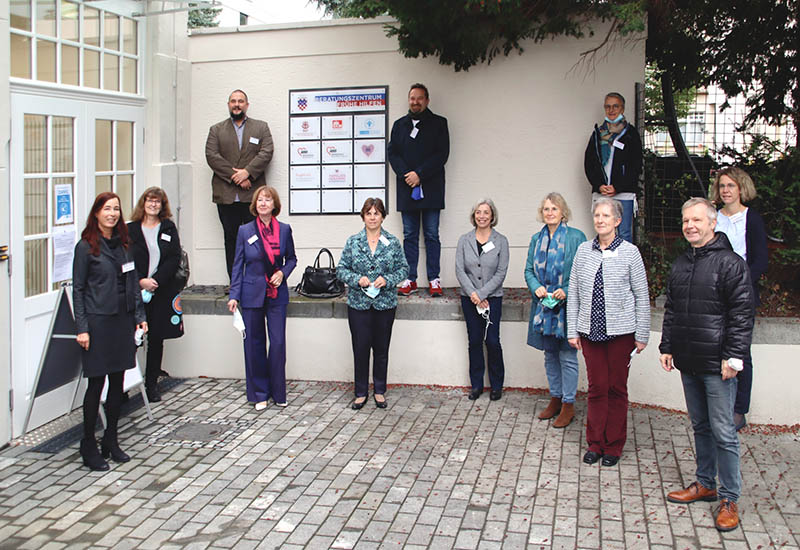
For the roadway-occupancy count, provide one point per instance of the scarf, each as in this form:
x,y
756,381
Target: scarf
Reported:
x,y
271,241
548,266
608,133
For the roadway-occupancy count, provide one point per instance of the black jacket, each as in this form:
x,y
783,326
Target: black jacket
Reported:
x,y
709,312
94,283
757,252
162,309
625,168
425,154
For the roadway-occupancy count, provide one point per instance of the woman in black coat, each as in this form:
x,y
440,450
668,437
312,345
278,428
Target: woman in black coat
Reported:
x,y
108,310
157,253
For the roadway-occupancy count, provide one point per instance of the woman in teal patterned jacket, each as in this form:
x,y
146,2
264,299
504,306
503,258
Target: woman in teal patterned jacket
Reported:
x,y
372,264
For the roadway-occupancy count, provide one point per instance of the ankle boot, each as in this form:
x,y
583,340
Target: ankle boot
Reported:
x,y
552,409
109,444
91,456
565,416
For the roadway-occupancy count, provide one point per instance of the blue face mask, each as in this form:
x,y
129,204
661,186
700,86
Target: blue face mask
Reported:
x,y
549,302
371,291
618,119
146,296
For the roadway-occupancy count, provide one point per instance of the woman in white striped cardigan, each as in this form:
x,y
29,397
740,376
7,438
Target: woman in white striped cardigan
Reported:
x,y
608,318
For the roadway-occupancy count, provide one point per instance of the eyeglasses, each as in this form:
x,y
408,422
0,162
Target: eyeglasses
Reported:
x,y
153,201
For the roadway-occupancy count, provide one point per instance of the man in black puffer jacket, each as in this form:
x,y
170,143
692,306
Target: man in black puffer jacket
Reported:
x,y
708,324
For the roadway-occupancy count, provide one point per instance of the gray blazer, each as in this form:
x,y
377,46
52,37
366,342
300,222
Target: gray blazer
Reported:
x,y
223,155
483,274
624,289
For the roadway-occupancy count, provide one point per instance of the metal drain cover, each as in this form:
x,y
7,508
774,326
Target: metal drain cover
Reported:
x,y
194,431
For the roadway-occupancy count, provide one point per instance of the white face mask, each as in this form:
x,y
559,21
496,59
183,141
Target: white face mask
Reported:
x,y
238,322
619,118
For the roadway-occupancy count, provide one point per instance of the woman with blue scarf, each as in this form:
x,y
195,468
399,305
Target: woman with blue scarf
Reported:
x,y
547,272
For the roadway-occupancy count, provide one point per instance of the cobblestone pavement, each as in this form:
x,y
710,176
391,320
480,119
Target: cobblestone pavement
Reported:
x,y
434,470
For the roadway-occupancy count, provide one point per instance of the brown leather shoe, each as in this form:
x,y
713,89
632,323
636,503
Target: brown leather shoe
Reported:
x,y
693,493
551,410
565,416
727,516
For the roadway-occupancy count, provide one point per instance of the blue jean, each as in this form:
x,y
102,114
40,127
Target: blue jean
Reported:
x,y
625,228
709,400
562,372
476,328
430,231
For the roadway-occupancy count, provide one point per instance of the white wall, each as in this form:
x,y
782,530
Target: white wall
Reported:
x,y
435,352
518,127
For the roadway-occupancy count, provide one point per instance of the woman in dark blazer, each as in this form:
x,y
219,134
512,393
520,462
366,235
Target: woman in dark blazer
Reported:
x,y
157,254
263,261
371,265
108,310
733,188
481,267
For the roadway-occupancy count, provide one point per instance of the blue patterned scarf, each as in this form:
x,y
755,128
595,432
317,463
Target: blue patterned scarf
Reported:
x,y
609,132
548,266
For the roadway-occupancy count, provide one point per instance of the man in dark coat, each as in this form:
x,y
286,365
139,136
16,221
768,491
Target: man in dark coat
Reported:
x,y
613,161
708,325
418,150
238,150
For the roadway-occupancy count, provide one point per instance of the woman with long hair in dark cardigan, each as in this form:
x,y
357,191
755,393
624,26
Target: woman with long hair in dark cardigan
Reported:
x,y
108,310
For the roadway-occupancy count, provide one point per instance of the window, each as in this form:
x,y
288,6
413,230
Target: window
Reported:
x,y
49,185
114,154
72,43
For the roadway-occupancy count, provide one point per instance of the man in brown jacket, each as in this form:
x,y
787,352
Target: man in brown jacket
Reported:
x,y
238,150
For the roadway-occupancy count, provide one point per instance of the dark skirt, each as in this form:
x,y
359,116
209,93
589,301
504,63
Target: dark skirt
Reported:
x,y
111,345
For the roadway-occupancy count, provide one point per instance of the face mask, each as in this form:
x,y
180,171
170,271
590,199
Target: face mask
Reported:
x,y
549,302
618,119
146,296
238,322
371,291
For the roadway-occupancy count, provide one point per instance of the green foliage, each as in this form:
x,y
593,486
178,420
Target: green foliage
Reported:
x,y
743,46
464,33
654,102
203,17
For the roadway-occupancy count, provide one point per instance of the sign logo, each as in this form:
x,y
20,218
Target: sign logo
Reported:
x,y
331,149
368,149
305,126
302,151
302,103
337,124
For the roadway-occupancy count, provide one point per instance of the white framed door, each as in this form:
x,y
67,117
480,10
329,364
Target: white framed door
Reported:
x,y
62,150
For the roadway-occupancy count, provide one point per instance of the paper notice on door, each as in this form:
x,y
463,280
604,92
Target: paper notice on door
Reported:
x,y
63,252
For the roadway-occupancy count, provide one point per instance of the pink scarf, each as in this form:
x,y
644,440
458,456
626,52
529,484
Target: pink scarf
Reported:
x,y
271,241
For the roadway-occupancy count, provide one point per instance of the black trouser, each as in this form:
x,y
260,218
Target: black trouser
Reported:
x,y
155,350
231,216
91,404
370,330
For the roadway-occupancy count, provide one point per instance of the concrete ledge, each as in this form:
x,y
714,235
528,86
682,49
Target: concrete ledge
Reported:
x,y
212,300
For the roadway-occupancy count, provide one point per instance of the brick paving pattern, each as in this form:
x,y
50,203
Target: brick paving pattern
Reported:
x,y
434,470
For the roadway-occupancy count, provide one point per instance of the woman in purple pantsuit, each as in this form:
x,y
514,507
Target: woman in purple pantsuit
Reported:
x,y
264,259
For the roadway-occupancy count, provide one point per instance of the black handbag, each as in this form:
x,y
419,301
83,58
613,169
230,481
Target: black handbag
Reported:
x,y
320,282
182,273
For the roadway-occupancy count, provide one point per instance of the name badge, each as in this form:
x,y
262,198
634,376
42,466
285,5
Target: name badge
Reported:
x,y
252,239
384,240
166,237
128,266
254,140
414,133
619,145
489,246
610,253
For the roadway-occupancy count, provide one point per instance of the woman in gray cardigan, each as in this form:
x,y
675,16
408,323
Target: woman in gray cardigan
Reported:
x,y
481,266
608,318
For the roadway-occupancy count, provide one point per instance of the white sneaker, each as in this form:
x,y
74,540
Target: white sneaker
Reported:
x,y
261,405
284,404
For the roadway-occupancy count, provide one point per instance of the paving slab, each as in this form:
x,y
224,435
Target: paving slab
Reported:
x,y
434,470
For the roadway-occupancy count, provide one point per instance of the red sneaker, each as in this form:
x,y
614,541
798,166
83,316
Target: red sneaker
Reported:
x,y
436,288
407,288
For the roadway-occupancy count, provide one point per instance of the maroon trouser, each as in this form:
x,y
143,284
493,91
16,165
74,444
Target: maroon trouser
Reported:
x,y
607,372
